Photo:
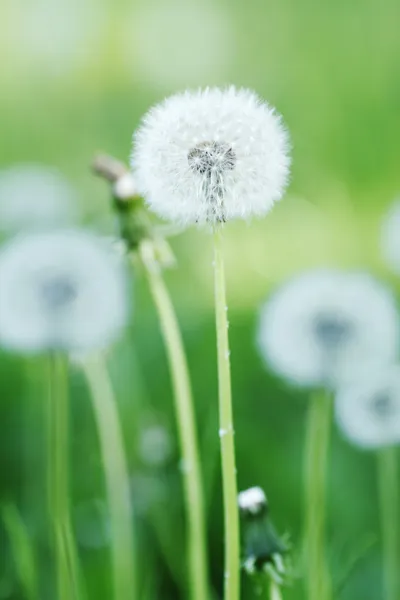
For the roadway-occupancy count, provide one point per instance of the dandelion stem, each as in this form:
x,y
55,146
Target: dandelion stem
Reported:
x,y
192,477
116,477
318,582
68,575
274,591
389,506
22,549
231,513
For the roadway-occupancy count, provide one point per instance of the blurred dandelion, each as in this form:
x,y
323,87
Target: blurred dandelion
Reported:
x,y
368,411
368,414
71,36
35,197
60,291
327,326
321,329
211,156
390,237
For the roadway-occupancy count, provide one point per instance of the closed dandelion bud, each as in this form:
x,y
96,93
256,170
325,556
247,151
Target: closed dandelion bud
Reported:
x,y
125,187
211,156
262,546
326,327
60,291
368,412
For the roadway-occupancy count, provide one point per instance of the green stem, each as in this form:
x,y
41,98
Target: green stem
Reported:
x,y
192,478
68,576
226,431
389,507
23,551
274,591
318,582
116,478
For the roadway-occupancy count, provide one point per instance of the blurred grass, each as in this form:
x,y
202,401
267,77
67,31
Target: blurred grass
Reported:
x,y
332,71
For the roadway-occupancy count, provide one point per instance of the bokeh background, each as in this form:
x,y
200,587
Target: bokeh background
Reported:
x,y
76,76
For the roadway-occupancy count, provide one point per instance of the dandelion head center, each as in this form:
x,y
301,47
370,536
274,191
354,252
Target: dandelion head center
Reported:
x,y
382,405
57,292
210,158
331,330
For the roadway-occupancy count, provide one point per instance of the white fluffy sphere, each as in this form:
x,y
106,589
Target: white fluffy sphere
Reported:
x,y
368,413
210,156
328,326
35,197
63,290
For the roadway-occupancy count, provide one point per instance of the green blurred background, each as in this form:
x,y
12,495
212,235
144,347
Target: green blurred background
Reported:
x,y
76,76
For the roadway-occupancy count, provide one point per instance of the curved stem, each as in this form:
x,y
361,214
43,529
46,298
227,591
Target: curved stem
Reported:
x,y
68,576
192,478
389,507
318,582
226,432
116,477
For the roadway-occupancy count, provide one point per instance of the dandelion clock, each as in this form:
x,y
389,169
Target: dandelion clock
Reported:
x,y
207,157
368,415
211,156
63,292
60,291
35,197
326,326
321,329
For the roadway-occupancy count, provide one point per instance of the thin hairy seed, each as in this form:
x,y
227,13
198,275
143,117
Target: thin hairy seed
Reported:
x,y
116,478
69,583
318,583
388,483
274,591
231,512
22,551
192,479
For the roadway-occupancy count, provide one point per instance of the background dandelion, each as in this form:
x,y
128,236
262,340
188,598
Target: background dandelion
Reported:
x,y
35,197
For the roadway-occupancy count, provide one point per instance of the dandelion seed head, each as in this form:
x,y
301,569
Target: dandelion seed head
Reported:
x,y
64,290
210,156
35,197
390,237
368,412
328,326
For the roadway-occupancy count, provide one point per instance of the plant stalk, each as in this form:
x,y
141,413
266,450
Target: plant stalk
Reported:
x,y
318,582
226,431
185,417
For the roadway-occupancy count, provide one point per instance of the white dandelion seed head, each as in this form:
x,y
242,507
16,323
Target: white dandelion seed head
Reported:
x,y
35,197
252,501
328,326
63,290
211,155
368,412
390,237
